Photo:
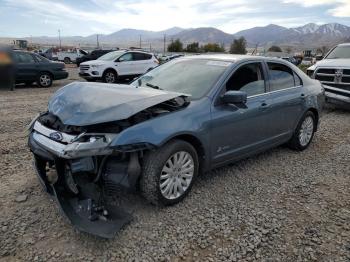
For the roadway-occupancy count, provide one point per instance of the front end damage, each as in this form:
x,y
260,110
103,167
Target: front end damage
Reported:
x,y
85,174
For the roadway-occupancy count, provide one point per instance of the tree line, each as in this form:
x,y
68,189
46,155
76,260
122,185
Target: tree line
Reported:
x,y
238,46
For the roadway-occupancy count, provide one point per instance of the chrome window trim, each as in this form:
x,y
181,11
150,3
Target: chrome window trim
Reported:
x,y
275,91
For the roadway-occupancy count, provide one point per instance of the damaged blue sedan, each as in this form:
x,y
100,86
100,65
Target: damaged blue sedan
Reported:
x,y
157,134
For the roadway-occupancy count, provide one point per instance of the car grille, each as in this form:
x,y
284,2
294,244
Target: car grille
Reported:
x,y
84,67
339,78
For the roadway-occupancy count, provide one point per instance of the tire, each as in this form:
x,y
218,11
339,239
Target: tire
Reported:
x,y
44,80
67,60
110,76
153,174
304,132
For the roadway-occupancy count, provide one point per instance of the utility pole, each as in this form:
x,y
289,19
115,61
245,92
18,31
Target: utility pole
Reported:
x,y
59,37
98,44
164,43
140,41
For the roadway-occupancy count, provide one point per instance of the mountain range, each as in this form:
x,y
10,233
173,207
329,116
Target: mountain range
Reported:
x,y
309,35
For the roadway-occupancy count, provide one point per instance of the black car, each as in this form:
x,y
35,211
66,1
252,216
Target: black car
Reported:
x,y
30,68
92,56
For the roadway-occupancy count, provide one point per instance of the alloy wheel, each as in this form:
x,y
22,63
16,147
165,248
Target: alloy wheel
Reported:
x,y
306,131
110,77
176,175
45,80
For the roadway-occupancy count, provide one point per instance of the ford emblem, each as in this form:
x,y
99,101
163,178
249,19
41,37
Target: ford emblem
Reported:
x,y
57,136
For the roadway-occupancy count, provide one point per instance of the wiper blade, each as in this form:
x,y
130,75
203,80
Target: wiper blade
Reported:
x,y
153,86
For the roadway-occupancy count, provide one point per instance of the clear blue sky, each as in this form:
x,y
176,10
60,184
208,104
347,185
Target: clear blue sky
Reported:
x,y
23,18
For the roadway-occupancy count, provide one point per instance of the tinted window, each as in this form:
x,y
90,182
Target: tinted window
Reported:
x,y
190,76
24,58
127,57
281,76
339,52
141,56
248,78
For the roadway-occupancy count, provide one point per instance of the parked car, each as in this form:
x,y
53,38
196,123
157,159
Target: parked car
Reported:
x,y
118,65
47,53
291,60
185,117
334,73
92,56
70,57
307,61
31,67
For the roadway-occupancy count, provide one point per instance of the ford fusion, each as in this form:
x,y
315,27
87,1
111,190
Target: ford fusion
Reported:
x,y
157,134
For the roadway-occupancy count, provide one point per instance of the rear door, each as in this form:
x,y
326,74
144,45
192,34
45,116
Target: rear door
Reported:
x,y
142,62
287,98
26,67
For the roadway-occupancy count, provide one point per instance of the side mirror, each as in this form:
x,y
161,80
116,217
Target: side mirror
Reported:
x,y
234,97
121,59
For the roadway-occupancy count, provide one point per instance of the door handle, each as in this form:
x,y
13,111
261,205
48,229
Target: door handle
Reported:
x,y
303,96
264,105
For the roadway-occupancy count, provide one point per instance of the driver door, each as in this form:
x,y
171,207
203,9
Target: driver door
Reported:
x,y
240,130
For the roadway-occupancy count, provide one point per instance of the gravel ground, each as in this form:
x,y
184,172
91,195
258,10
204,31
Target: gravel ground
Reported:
x,y
281,205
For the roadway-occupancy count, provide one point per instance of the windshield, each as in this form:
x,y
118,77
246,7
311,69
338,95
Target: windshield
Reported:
x,y
339,52
194,77
111,56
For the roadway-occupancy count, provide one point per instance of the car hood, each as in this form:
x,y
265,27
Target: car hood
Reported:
x,y
94,62
82,104
333,63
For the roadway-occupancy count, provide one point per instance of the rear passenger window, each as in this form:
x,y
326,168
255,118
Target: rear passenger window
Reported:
x,y
248,78
281,76
24,58
142,56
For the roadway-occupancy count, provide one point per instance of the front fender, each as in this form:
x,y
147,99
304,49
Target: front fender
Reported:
x,y
192,120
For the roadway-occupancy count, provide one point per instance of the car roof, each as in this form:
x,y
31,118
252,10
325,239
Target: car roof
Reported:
x,y
231,58
344,44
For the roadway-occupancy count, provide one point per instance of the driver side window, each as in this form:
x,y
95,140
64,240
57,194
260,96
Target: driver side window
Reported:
x,y
248,78
126,57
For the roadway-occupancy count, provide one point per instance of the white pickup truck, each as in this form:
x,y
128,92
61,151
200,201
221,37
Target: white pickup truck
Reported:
x,y
334,73
70,57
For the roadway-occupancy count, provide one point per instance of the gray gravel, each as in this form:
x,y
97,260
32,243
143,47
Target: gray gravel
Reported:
x,y
278,206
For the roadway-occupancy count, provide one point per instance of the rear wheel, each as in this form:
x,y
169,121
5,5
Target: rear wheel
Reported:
x,y
169,173
304,132
44,80
110,76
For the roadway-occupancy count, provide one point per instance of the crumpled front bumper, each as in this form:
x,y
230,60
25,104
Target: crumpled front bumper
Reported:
x,y
79,197
84,210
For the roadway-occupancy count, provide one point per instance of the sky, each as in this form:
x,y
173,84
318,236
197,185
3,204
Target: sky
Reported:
x,y
24,18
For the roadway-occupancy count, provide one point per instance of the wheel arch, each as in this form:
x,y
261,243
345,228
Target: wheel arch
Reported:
x,y
47,72
196,143
316,114
110,69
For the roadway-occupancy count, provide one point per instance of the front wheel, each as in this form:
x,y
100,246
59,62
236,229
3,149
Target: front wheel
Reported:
x,y
110,76
169,173
304,132
67,60
44,80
